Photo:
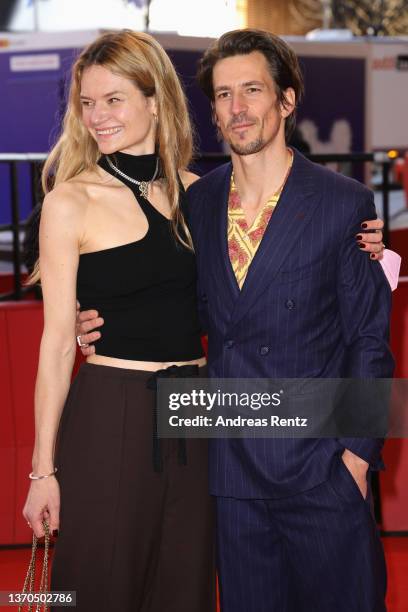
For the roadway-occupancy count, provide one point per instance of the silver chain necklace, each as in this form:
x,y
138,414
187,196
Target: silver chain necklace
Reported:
x,y
143,185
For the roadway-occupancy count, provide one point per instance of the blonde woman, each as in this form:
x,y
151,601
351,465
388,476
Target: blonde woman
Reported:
x,y
133,512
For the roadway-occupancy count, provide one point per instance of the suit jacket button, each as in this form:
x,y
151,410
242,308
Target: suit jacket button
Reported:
x,y
264,350
289,304
204,298
229,343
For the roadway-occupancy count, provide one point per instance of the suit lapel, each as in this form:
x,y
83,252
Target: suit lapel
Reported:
x,y
293,211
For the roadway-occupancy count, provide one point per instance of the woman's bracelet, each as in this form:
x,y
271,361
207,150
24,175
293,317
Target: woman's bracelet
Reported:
x,y
32,476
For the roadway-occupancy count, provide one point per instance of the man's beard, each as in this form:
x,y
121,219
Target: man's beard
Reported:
x,y
248,149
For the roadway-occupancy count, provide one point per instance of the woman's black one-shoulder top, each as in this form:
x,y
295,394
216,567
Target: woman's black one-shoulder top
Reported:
x,y
145,290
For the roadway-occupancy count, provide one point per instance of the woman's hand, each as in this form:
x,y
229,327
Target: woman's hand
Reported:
x,y
43,502
370,238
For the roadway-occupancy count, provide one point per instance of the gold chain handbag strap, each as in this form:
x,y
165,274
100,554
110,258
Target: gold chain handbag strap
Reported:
x,y
29,582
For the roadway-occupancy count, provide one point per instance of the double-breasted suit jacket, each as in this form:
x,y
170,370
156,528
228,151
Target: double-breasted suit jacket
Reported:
x,y
312,305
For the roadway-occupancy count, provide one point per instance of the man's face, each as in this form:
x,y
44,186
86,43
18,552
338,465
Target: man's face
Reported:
x,y
246,106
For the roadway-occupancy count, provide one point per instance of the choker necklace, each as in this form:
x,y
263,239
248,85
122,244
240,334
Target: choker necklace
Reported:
x,y
143,185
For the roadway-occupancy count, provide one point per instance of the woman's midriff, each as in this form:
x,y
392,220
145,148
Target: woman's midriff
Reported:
x,y
150,366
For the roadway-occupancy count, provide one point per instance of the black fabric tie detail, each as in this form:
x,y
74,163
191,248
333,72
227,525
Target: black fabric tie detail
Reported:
x,y
185,371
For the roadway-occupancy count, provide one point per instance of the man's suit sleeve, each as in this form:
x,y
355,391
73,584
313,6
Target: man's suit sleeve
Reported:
x,y
190,216
364,297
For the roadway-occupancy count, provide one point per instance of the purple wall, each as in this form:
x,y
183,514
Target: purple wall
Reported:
x,y
30,114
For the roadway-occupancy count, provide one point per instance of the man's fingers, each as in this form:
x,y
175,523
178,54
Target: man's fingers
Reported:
x,y
89,338
86,340
88,326
88,350
85,315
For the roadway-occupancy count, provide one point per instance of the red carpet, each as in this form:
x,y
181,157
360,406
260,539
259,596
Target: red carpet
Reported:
x,y
13,566
396,552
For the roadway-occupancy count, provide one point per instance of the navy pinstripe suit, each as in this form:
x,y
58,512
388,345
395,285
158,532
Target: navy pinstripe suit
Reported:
x,y
312,305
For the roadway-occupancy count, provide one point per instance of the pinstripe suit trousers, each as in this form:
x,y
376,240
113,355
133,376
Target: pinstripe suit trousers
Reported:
x,y
317,551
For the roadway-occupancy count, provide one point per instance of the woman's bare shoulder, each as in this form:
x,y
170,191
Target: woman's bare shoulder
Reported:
x,y
78,190
188,178
66,202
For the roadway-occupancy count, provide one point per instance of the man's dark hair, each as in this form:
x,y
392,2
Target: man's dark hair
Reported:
x,y
282,61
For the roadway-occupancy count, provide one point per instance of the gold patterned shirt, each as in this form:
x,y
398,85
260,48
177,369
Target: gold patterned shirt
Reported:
x,y
243,241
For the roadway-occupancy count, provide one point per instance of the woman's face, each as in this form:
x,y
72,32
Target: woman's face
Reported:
x,y
116,113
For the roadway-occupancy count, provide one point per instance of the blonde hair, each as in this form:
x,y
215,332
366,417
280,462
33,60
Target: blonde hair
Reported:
x,y
138,57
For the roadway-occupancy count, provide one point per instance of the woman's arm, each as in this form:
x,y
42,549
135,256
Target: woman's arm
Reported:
x,y
60,231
